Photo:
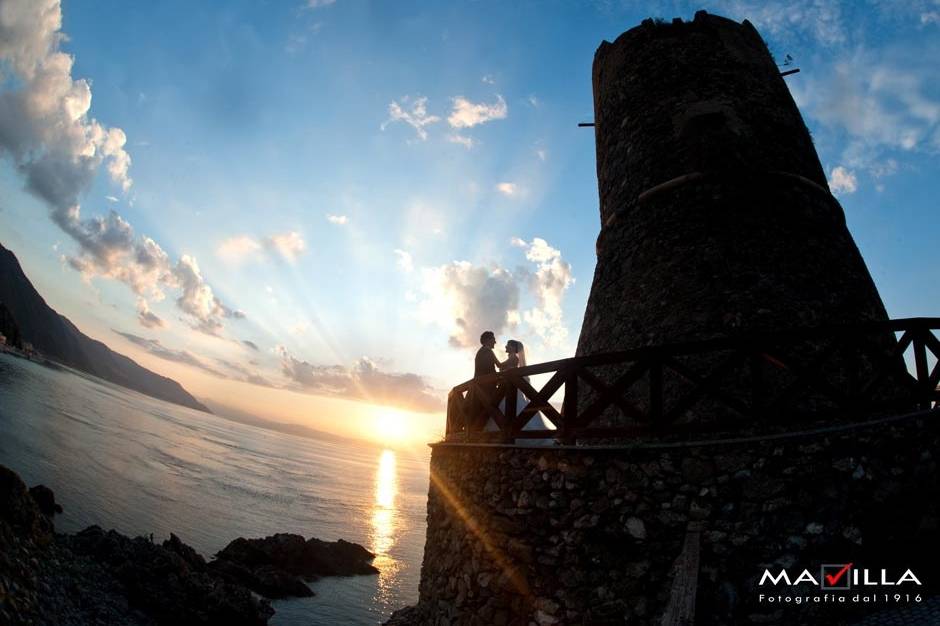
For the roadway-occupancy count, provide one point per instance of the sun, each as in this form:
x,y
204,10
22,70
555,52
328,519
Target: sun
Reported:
x,y
391,425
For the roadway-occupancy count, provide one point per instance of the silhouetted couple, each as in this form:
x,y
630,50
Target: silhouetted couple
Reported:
x,y
485,363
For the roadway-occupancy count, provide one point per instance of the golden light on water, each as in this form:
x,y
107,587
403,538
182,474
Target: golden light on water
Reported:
x,y
385,523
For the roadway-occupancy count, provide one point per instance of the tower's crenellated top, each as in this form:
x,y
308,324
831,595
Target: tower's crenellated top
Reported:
x,y
673,98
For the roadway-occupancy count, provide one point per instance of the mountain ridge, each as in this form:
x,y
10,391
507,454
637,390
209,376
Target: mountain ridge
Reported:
x,y
56,337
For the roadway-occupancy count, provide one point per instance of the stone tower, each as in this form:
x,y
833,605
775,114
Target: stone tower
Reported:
x,y
716,221
716,217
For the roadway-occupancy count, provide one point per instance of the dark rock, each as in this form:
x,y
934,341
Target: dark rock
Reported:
x,y
20,511
45,500
275,566
294,555
165,582
187,553
276,583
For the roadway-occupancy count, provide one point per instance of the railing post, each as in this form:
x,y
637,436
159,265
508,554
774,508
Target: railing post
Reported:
x,y
509,433
923,375
569,407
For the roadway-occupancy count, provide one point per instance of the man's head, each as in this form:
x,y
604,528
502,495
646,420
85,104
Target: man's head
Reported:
x,y
488,339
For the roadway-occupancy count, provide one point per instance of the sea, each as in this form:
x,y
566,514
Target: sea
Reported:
x,y
123,460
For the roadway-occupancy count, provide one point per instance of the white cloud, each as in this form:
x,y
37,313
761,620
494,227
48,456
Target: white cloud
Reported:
x,y
549,284
337,219
198,300
819,20
533,101
238,248
541,153
488,79
507,189
111,199
930,17
417,117
466,114
319,4
45,129
881,103
468,299
288,245
404,260
363,381
44,123
463,140
842,181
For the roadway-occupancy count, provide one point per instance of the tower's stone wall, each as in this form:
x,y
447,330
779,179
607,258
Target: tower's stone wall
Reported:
x,y
590,535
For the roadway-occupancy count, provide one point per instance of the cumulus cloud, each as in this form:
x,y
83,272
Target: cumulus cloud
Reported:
x,y
363,381
146,317
881,104
842,181
507,189
549,284
288,245
417,116
339,220
44,123
198,300
462,140
46,131
469,299
466,114
404,260
238,248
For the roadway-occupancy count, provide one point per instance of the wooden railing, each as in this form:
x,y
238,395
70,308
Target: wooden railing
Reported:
x,y
852,371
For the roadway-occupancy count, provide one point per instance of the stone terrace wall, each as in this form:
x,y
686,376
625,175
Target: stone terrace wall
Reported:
x,y
588,535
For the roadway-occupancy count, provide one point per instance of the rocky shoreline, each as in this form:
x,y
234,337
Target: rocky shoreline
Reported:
x,y
103,577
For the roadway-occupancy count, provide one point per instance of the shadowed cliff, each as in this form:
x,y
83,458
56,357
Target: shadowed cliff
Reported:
x,y
58,338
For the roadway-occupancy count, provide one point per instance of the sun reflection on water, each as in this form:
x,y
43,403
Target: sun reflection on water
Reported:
x,y
385,524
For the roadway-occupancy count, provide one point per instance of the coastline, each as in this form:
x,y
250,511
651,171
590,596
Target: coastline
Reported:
x,y
97,576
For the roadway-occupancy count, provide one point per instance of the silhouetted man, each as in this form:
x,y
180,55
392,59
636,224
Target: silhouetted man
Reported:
x,y
484,363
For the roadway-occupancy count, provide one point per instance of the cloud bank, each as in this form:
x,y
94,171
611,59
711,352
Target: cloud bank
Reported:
x,y
46,131
363,381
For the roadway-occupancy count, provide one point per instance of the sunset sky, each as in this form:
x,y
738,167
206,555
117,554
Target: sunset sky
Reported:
x,y
310,210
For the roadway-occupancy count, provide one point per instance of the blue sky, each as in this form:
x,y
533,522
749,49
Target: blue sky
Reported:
x,y
338,183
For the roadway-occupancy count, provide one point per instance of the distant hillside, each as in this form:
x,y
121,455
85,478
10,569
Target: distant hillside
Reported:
x,y
58,338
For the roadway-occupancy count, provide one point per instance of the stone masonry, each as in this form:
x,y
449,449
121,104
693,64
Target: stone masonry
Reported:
x,y
575,535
